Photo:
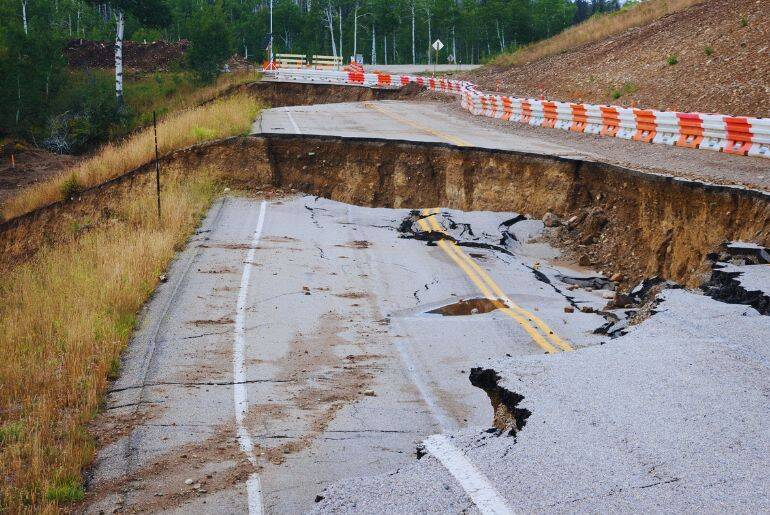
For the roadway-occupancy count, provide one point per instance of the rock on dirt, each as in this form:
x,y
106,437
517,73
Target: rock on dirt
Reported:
x,y
550,219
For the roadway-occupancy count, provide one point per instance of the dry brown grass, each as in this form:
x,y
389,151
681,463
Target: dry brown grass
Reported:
x,y
189,93
214,120
595,29
65,316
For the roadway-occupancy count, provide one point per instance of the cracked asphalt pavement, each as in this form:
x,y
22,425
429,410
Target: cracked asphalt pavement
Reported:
x,y
304,353
343,369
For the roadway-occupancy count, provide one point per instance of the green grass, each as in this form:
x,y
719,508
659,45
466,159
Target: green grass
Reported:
x,y
202,133
65,490
672,59
145,93
164,92
628,88
11,432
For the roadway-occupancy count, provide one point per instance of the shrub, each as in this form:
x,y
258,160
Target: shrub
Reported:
x,y
71,187
708,50
627,89
744,21
672,59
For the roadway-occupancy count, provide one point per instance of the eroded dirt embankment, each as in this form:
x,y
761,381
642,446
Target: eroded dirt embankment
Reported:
x,y
625,221
293,94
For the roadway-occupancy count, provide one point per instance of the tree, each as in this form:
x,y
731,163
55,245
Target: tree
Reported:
x,y
24,15
328,17
31,72
150,13
210,43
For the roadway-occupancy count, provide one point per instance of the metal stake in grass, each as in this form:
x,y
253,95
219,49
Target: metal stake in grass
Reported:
x,y
157,163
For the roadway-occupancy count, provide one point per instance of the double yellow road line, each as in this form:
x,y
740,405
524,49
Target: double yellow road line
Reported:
x,y
538,330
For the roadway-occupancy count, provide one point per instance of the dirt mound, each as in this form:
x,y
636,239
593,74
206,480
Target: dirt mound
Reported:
x,y
712,57
143,57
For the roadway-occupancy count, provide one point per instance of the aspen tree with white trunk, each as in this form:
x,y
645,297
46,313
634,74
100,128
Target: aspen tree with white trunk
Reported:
x,y
150,13
24,15
120,21
374,47
412,7
430,39
340,25
355,30
328,14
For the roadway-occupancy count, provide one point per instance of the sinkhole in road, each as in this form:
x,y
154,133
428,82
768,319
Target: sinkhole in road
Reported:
x,y
465,307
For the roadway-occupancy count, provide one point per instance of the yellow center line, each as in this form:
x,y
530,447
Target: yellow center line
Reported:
x,y
480,277
498,291
440,135
445,246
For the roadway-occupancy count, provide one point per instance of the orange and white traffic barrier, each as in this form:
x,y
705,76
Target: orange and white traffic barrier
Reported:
x,y
645,125
760,137
729,134
626,123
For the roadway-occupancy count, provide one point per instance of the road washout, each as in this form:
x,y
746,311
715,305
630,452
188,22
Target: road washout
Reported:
x,y
613,215
614,219
332,302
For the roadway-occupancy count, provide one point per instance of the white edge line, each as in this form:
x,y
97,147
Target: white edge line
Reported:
x,y
291,119
240,396
475,484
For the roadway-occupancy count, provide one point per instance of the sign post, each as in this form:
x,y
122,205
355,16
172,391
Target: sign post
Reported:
x,y
437,45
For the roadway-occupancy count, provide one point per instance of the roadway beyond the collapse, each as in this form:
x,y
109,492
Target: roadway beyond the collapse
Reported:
x,y
446,122
306,354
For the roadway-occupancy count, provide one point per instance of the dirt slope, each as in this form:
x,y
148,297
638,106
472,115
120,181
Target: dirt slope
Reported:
x,y
734,79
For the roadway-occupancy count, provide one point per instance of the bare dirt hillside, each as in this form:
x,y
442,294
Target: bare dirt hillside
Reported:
x,y
712,57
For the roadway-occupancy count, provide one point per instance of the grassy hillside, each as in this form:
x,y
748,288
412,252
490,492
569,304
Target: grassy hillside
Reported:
x,y
68,311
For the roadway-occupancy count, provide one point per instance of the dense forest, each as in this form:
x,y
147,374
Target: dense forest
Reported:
x,y
39,95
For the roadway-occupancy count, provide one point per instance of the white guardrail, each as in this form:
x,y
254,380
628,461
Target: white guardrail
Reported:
x,y
723,133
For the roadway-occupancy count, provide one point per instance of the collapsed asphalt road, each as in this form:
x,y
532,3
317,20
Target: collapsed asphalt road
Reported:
x,y
672,417
308,354
302,341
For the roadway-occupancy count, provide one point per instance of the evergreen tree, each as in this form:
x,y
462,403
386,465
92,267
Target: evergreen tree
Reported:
x,y
210,42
